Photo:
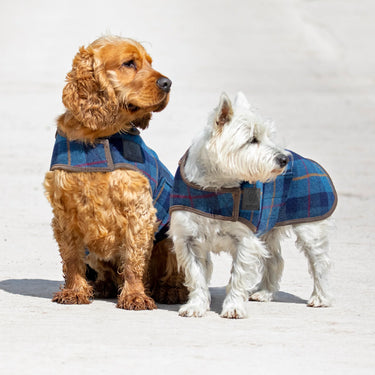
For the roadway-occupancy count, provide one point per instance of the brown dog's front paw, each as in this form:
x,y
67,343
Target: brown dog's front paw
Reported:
x,y
72,297
136,302
170,295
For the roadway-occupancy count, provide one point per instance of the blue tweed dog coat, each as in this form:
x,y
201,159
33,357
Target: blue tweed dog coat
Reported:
x,y
119,151
303,193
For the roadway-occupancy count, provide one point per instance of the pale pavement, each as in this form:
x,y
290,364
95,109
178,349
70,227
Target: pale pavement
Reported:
x,y
307,65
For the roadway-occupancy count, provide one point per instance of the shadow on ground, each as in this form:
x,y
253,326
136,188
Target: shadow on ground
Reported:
x,y
46,288
31,287
218,295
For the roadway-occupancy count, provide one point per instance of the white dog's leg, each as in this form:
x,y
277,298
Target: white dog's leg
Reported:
x,y
246,272
312,239
273,268
196,264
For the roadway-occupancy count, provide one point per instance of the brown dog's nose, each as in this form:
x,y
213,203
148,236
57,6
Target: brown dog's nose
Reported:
x,y
164,83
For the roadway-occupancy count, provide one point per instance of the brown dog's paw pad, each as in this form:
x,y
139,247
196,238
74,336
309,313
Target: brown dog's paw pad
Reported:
x,y
72,297
136,302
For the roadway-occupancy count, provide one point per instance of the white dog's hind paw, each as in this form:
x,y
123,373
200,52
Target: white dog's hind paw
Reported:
x,y
261,296
192,310
319,301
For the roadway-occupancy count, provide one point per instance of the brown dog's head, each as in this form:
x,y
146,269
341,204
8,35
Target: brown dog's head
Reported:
x,y
111,87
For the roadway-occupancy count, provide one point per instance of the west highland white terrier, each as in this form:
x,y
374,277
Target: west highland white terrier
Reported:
x,y
235,190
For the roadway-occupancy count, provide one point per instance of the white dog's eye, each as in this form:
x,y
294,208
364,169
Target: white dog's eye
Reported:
x,y
130,64
253,140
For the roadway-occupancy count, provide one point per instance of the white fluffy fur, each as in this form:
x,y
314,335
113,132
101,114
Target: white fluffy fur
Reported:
x,y
237,146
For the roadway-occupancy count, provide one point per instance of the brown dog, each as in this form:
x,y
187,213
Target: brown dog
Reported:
x,y
111,89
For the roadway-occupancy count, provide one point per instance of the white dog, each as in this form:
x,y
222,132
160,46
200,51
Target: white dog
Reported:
x,y
233,191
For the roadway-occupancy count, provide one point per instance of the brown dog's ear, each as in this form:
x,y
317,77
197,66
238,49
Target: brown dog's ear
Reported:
x,y
88,94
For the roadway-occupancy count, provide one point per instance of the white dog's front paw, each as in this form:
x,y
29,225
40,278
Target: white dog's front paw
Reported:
x,y
234,311
261,296
192,309
319,301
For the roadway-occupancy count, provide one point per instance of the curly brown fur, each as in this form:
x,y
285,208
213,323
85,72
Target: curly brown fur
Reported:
x,y
165,282
111,87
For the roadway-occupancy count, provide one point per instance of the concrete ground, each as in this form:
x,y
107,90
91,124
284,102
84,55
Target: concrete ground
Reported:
x,y
309,66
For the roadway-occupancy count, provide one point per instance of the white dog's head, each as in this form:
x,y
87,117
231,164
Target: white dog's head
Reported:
x,y
240,142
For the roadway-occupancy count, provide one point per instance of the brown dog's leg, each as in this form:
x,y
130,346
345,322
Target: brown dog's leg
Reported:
x,y
133,296
76,289
135,263
166,281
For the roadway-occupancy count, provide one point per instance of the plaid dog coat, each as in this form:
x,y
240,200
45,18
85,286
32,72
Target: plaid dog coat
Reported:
x,y
119,151
303,193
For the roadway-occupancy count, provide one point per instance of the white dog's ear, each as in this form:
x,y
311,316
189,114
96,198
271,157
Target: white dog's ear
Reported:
x,y
240,101
224,112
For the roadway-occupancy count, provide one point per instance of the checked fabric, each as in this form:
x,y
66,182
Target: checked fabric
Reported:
x,y
119,151
303,193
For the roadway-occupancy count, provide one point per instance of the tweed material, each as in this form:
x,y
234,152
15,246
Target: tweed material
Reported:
x,y
303,193
119,151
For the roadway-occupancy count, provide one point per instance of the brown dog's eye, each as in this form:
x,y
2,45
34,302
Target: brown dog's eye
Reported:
x,y
130,64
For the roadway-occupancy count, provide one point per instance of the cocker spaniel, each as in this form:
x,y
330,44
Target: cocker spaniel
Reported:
x,y
108,190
